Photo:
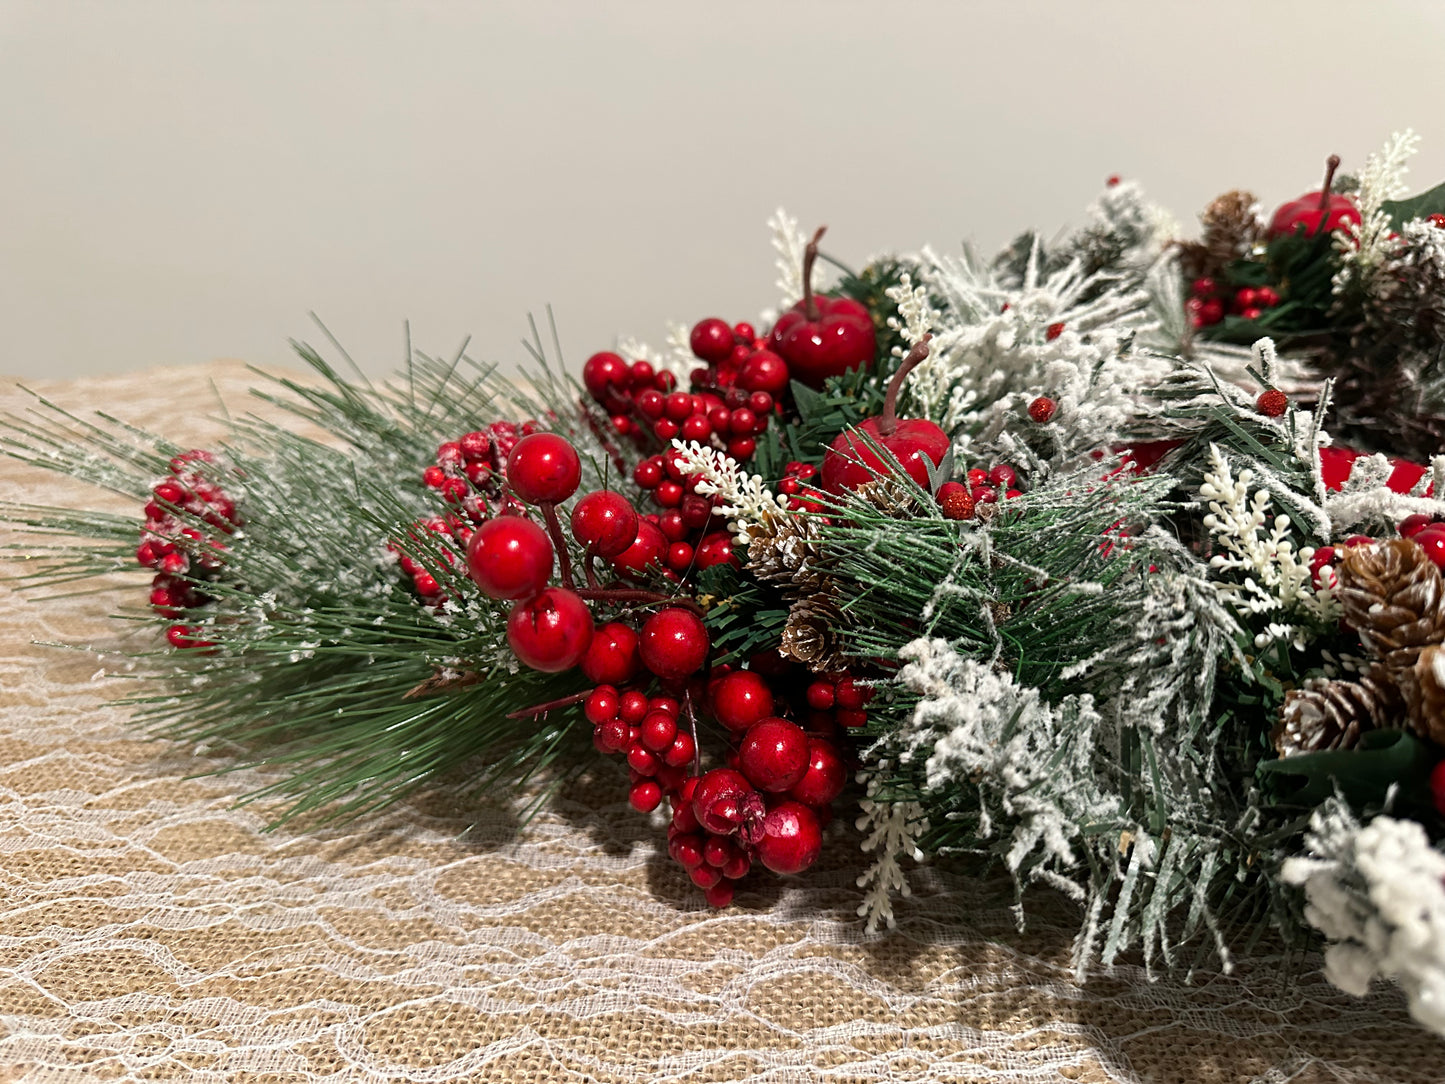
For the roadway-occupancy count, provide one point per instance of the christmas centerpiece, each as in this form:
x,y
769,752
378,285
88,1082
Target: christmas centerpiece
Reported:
x,y
1115,561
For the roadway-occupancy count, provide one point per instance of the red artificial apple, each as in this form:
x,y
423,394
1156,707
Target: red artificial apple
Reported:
x,y
913,442
1316,211
821,337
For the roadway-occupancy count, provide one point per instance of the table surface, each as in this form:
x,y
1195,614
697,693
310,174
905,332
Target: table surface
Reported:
x,y
151,929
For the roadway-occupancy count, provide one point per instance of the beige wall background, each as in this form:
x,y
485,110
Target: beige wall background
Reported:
x,y
184,180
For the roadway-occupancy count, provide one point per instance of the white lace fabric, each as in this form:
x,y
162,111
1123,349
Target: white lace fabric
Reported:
x,y
150,929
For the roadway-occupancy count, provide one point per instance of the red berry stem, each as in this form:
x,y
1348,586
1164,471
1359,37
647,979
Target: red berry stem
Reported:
x,y
810,257
550,705
889,420
559,542
626,594
590,572
1332,163
692,723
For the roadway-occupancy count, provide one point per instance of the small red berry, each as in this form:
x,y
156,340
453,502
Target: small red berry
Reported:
x,y
1410,526
674,643
1042,409
658,731
669,494
1054,331
955,501
1272,403
1113,180
681,752
601,705
1266,298
1003,476
1202,287
686,850
647,474
550,632
665,429
774,754
719,895
544,468
645,796
706,877
1437,774
434,476
510,558
633,707
716,549
1433,543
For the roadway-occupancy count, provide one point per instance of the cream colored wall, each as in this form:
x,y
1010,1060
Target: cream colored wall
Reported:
x,y
185,180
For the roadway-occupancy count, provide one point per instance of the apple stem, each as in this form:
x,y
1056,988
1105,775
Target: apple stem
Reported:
x,y
1332,163
889,419
810,257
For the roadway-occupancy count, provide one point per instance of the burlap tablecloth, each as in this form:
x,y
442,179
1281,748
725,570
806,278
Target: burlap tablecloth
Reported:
x,y
150,929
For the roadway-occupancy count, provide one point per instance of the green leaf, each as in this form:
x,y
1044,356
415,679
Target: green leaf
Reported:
x,y
1362,774
1406,210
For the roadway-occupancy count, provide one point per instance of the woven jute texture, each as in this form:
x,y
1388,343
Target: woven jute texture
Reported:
x,y
151,929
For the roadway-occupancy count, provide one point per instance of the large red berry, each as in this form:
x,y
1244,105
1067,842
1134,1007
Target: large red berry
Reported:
x,y
551,631
764,371
606,377
740,699
825,775
612,657
510,558
544,468
605,522
791,838
674,643
717,549
722,799
774,755
711,339
648,550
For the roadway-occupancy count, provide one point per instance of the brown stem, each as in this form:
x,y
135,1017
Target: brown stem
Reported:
x,y
888,422
554,528
647,598
1332,163
589,571
810,257
692,722
550,705
439,684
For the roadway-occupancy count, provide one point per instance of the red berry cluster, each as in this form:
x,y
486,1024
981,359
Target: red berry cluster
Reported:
x,y
1210,300
471,469
182,553
983,485
687,533
1428,533
799,485
449,527
731,400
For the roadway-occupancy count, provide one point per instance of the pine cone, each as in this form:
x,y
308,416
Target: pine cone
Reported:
x,y
1427,694
1391,593
790,553
811,634
1332,714
890,497
1231,226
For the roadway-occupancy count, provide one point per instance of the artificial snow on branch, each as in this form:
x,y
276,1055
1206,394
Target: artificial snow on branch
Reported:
x,y
1377,893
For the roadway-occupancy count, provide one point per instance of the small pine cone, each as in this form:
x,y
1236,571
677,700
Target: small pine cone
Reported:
x,y
1426,695
1231,227
890,497
811,634
1333,714
1391,593
790,553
